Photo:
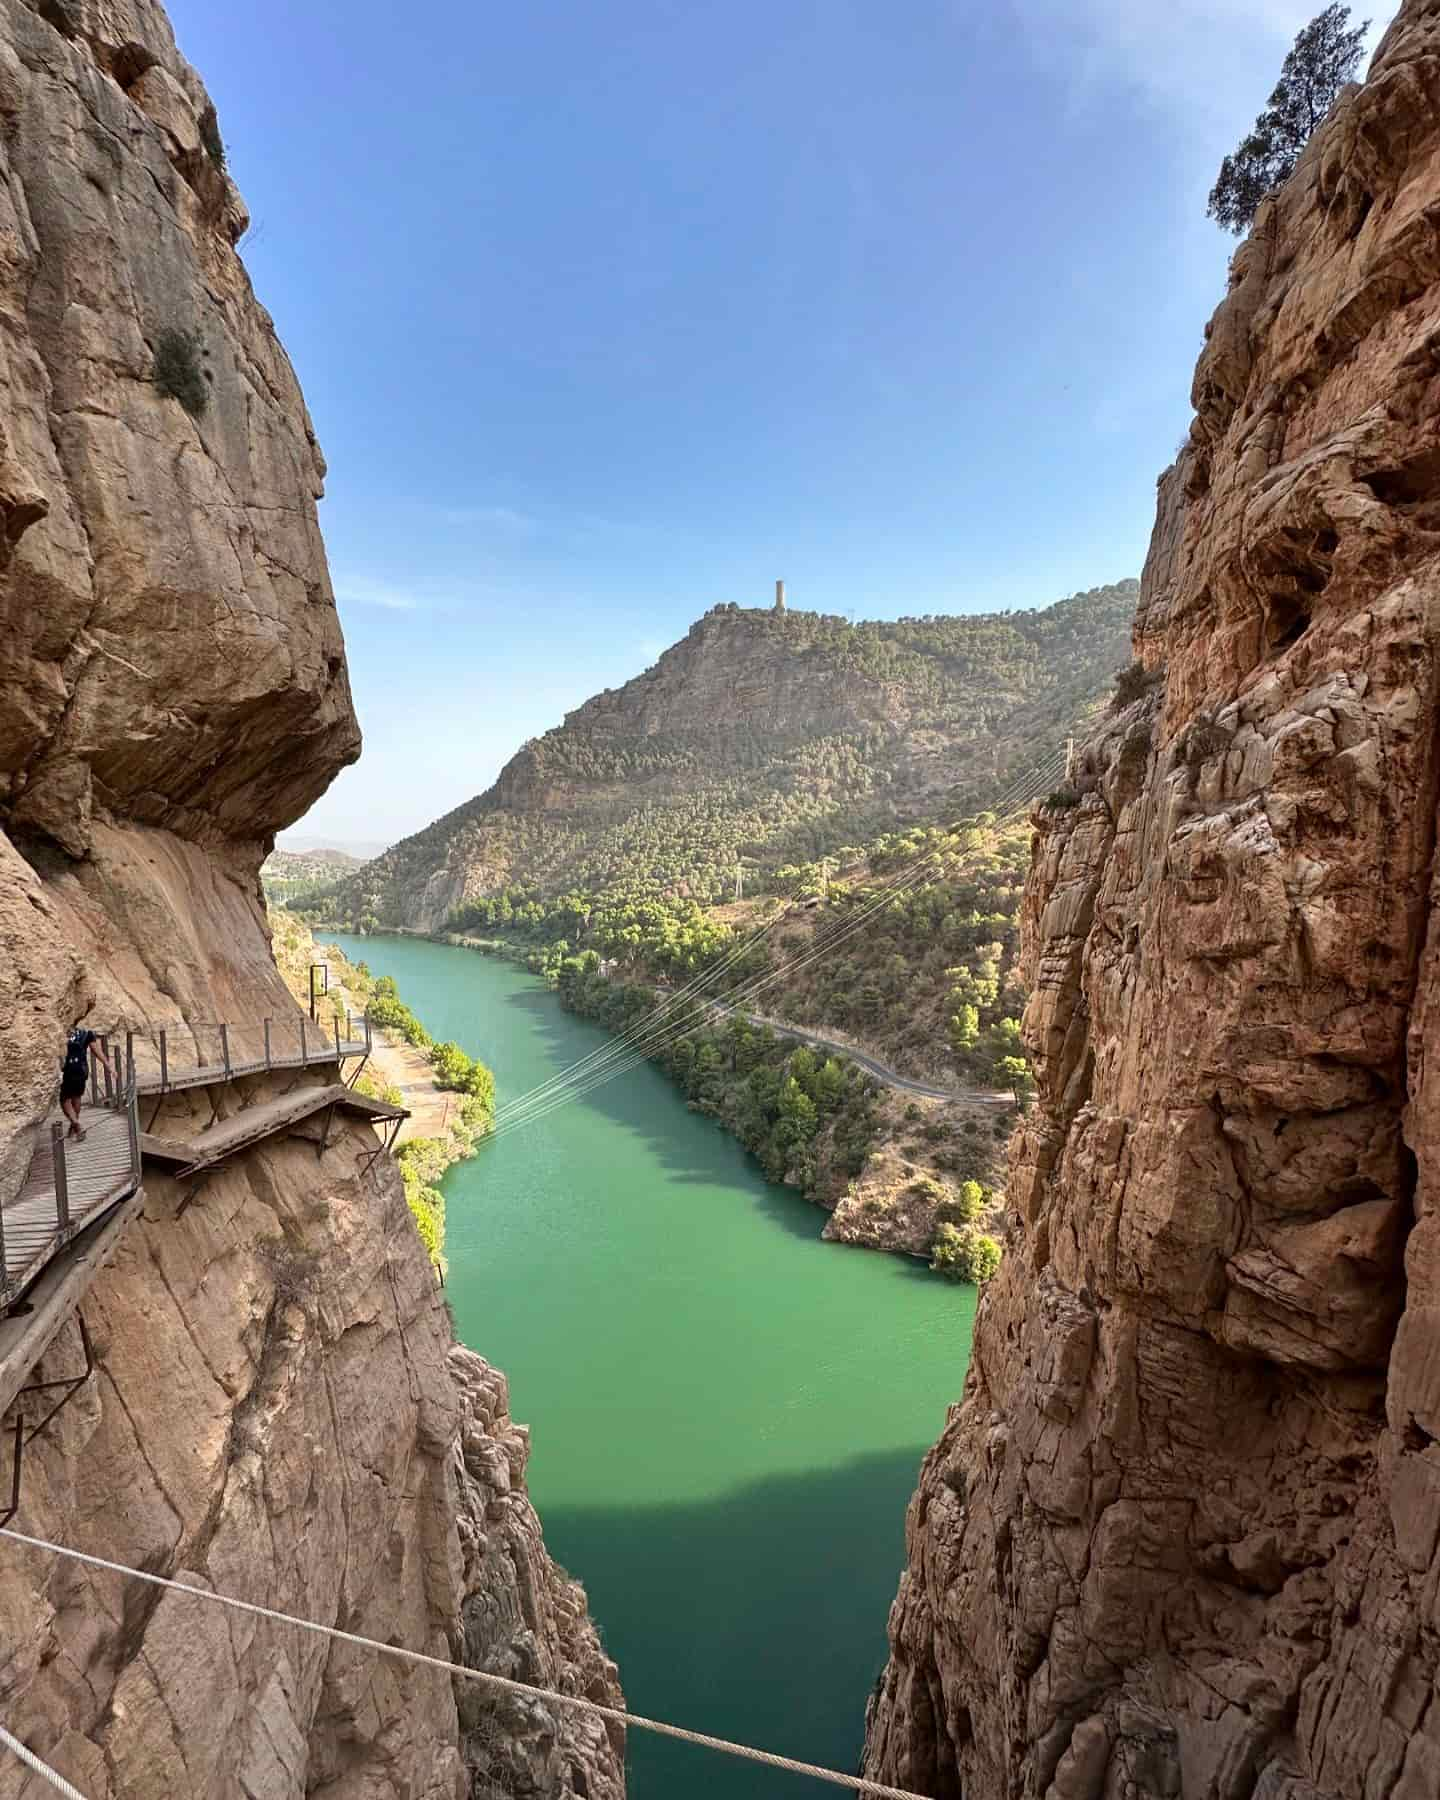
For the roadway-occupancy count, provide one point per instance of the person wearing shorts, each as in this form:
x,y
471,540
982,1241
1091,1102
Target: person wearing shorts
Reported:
x,y
80,1046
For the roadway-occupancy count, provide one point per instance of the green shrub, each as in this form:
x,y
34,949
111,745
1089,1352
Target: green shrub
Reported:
x,y
912,1112
961,1253
210,137
964,1205
1132,684
1061,800
178,373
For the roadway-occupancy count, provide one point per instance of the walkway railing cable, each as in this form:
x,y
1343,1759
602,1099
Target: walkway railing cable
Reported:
x,y
536,1105
525,1112
610,1715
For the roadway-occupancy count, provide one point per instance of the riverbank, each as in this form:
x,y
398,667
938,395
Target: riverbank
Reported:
x,y
445,1125
897,1171
900,1167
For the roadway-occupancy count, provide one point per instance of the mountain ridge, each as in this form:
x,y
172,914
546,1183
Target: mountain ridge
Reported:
x,y
759,737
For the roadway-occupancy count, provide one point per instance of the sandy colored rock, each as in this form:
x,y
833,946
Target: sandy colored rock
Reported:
x,y
279,1410
1180,1537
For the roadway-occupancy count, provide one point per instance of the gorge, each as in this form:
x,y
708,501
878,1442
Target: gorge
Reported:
x,y
1178,1537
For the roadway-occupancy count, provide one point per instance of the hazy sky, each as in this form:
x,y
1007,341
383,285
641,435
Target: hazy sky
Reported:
x,y
608,313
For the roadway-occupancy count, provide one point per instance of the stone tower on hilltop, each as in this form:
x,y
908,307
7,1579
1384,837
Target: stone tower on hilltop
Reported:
x,y
779,596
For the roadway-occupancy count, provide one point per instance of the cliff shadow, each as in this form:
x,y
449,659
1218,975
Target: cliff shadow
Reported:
x,y
758,1616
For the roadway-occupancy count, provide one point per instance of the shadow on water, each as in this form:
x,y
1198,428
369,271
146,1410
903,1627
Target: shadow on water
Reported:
x,y
707,1155
690,1593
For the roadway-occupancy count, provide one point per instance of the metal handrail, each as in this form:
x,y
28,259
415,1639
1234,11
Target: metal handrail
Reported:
x,y
119,1099
315,1046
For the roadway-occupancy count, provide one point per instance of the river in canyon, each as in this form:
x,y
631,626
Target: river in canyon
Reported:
x,y
728,1414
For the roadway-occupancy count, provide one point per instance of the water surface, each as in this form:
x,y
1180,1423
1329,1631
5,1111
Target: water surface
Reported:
x,y
728,1414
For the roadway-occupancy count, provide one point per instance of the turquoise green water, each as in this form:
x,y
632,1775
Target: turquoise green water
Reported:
x,y
728,1414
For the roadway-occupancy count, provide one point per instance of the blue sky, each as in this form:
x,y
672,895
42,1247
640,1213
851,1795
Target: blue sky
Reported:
x,y
608,313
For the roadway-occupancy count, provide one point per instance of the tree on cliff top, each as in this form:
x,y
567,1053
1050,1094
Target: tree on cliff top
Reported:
x,y
1323,58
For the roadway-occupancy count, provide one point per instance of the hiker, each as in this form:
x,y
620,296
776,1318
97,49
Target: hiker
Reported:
x,y
80,1046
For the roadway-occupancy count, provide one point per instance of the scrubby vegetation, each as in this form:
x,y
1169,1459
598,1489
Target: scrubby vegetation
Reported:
x,y
1133,683
964,1254
179,373
667,810
421,1161
810,1120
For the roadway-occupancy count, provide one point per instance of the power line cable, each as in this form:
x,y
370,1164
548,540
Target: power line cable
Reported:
x,y
1033,781
887,893
882,897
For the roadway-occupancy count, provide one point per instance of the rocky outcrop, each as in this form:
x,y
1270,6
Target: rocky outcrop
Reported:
x,y
279,1410
1180,1537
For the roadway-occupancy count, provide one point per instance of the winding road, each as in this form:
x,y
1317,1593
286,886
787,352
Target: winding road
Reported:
x,y
891,1077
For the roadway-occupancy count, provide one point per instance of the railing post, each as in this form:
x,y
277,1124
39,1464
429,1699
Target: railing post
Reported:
x,y
133,1114
225,1048
304,1047
62,1185
267,1043
367,1031
110,1094
4,1273
94,1079
130,1056
164,1063
337,1037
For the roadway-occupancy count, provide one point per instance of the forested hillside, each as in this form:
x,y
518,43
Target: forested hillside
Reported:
x,y
762,740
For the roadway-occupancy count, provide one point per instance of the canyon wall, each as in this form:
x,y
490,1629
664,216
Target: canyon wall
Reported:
x,y
279,1410
1182,1535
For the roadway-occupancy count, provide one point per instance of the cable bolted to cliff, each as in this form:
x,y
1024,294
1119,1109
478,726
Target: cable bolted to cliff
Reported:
x,y
611,1715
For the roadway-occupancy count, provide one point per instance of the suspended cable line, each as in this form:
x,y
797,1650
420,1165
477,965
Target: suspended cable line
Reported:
x,y
884,896
529,1109
612,1715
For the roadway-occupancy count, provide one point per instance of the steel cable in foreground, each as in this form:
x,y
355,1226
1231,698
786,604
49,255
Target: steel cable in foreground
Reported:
x,y
612,1715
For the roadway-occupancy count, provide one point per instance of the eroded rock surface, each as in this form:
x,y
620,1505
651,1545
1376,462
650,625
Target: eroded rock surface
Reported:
x,y
1180,1537
279,1410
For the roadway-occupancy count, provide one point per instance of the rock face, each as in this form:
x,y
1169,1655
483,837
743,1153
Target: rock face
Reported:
x,y
768,735
279,1410
1180,1537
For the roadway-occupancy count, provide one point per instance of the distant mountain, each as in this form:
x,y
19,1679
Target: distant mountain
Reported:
x,y
762,737
356,850
288,875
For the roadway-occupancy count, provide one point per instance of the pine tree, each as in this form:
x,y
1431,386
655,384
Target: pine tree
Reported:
x,y
1323,58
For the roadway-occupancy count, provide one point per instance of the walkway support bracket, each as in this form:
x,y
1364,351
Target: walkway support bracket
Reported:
x,y
71,1384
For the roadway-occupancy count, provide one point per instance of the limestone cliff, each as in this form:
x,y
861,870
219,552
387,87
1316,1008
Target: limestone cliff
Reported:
x,y
1180,1537
279,1409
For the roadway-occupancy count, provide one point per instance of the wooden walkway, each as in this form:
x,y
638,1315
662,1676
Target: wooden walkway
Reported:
x,y
175,1057
79,1195
50,1210
71,1183
273,1118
